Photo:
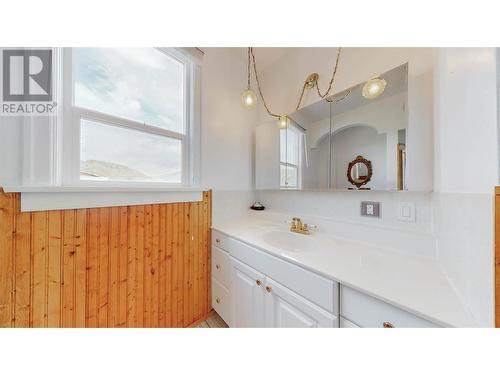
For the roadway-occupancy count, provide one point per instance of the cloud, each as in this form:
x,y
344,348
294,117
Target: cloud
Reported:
x,y
143,85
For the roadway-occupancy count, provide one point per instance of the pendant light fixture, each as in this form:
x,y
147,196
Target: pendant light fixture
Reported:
x,y
283,122
249,99
374,87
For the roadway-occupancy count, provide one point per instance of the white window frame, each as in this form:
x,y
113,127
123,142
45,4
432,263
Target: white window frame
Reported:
x,y
68,170
297,166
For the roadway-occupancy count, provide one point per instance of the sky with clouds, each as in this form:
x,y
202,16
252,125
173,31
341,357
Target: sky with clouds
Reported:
x,y
143,85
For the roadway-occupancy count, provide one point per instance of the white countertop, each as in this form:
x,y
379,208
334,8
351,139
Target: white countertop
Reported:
x,y
414,283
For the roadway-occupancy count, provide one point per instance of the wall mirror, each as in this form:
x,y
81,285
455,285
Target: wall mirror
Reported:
x,y
320,141
359,172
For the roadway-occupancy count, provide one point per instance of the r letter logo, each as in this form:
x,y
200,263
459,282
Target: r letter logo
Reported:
x,y
27,82
27,75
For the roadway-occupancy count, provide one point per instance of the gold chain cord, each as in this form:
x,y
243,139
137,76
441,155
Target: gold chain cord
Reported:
x,y
248,70
250,51
322,96
336,100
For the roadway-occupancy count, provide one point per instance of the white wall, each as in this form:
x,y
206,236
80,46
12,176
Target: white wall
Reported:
x,y
10,151
227,134
466,172
227,127
466,120
452,97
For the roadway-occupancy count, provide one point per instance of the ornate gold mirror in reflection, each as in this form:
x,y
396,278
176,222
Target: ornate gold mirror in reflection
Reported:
x,y
359,172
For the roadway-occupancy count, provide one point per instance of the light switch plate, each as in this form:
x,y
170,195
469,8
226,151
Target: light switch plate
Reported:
x,y
370,209
406,211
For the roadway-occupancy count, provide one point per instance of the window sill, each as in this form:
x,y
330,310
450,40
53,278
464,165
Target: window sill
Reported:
x,y
46,198
89,188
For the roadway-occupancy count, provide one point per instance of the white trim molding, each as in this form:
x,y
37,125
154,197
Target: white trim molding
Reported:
x,y
47,201
47,198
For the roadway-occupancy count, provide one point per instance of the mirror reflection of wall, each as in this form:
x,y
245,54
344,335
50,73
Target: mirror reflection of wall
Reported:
x,y
323,138
291,155
350,124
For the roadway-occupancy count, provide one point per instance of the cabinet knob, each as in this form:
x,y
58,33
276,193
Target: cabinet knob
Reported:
x,y
259,283
269,289
217,266
388,325
217,300
217,240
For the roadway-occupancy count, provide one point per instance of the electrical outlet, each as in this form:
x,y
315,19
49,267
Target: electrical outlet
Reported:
x,y
370,209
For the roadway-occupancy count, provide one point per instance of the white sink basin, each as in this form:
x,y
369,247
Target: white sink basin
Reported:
x,y
289,241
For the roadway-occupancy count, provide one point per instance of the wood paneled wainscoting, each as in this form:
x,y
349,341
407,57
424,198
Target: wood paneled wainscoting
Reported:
x,y
133,266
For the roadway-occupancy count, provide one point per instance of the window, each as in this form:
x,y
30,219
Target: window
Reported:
x,y
131,117
290,157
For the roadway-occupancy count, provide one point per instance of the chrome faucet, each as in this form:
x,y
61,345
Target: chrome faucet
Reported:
x,y
299,227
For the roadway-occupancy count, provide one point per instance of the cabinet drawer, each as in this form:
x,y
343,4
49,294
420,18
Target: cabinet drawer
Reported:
x,y
370,312
221,267
221,301
219,239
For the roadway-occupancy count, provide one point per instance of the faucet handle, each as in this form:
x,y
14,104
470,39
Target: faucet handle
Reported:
x,y
297,223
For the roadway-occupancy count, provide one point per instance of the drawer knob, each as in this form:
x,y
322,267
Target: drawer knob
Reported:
x,y
388,325
259,283
269,289
217,300
217,266
217,240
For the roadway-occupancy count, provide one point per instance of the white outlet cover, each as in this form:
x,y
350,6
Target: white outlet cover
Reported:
x,y
406,211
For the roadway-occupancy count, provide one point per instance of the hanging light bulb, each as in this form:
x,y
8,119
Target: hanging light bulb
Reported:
x,y
248,98
283,122
374,88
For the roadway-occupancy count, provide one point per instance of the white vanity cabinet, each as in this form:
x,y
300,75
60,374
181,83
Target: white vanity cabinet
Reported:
x,y
259,301
252,288
286,309
365,311
221,282
344,323
248,296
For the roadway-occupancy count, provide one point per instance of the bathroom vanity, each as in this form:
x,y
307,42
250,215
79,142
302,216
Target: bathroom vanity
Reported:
x,y
263,275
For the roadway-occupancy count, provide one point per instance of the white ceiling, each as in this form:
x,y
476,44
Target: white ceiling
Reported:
x,y
264,56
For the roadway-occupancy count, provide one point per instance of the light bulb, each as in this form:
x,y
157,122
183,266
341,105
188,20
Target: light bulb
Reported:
x,y
248,98
374,87
283,122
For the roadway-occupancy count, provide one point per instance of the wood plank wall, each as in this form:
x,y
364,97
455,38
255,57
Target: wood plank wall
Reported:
x,y
134,266
497,256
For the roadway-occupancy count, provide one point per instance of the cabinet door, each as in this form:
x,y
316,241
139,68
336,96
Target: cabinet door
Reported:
x,y
344,323
286,309
248,296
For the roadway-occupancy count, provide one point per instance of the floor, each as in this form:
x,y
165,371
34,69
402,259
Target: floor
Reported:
x,y
213,321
